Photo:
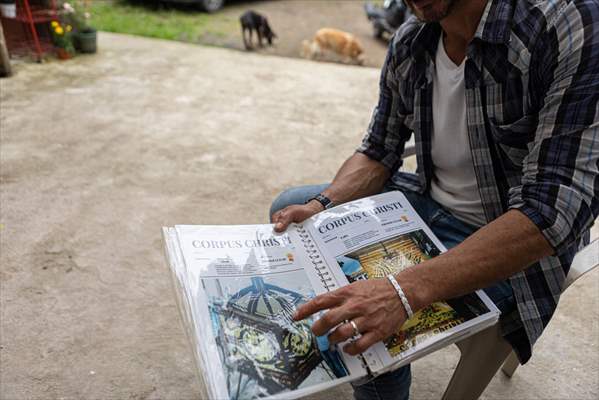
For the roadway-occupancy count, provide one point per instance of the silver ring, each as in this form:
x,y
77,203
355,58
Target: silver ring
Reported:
x,y
356,331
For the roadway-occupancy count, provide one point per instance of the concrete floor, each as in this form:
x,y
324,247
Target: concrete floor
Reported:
x,y
99,152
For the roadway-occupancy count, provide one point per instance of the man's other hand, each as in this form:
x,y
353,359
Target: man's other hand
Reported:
x,y
373,306
295,213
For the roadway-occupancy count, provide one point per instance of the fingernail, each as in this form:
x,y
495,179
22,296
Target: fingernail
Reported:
x,y
278,225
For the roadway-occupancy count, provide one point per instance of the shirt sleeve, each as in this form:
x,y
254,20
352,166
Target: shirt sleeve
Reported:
x,y
559,190
386,135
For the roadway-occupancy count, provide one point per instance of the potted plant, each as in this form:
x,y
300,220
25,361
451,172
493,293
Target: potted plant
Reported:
x,y
8,8
85,36
63,41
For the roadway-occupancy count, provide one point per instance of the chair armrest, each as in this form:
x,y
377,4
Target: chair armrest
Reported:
x,y
409,151
584,261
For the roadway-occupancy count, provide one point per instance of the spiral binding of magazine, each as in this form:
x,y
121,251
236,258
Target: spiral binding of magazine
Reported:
x,y
323,273
316,259
238,286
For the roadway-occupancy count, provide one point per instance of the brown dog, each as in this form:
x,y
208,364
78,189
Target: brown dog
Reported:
x,y
341,43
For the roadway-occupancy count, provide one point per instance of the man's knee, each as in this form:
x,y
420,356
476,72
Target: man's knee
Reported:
x,y
283,200
295,195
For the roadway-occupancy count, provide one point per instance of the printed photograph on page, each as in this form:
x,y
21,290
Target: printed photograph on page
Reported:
x,y
261,349
393,255
252,283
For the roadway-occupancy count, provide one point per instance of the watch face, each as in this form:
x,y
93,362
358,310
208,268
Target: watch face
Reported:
x,y
324,200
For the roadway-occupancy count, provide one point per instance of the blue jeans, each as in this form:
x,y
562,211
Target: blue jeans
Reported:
x,y
395,385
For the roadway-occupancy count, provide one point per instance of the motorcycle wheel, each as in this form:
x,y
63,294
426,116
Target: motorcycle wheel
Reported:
x,y
211,6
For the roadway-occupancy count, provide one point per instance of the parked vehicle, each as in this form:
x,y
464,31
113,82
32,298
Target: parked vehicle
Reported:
x,y
207,5
385,20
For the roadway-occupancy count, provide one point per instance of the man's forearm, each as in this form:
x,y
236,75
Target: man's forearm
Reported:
x,y
358,177
497,251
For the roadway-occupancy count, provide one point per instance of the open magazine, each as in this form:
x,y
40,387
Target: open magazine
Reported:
x,y
238,287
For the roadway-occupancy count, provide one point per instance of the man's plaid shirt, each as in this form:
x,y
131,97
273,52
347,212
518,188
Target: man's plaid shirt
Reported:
x,y
532,96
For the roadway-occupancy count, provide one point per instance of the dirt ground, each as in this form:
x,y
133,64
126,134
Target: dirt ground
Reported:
x,y
99,152
297,20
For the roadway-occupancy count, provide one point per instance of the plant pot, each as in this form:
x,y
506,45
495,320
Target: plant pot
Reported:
x,y
8,10
63,54
86,41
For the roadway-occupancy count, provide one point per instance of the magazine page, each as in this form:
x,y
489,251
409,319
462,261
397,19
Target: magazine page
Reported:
x,y
243,284
178,272
373,237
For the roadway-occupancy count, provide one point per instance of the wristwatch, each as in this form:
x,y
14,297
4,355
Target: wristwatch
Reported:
x,y
322,199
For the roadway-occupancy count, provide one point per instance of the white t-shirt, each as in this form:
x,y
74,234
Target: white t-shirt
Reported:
x,y
454,181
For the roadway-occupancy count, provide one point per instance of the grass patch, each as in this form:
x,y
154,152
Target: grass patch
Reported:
x,y
172,23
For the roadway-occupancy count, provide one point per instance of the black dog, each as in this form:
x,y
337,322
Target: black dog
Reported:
x,y
252,21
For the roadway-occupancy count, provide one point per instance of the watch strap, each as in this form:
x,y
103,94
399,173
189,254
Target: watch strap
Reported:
x,y
323,200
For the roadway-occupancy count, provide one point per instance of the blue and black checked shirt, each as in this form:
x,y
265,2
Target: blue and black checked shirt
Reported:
x,y
532,96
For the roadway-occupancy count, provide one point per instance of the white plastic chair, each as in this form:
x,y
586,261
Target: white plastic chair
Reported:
x,y
483,353
585,261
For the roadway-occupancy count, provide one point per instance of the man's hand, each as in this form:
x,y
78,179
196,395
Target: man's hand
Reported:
x,y
373,305
295,213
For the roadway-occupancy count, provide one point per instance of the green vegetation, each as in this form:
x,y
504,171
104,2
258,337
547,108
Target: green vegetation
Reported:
x,y
173,23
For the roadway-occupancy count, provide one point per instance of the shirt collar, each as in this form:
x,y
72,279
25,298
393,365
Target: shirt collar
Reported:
x,y
495,23
493,27
426,40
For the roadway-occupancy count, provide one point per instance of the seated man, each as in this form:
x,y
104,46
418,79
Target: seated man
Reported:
x,y
503,99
